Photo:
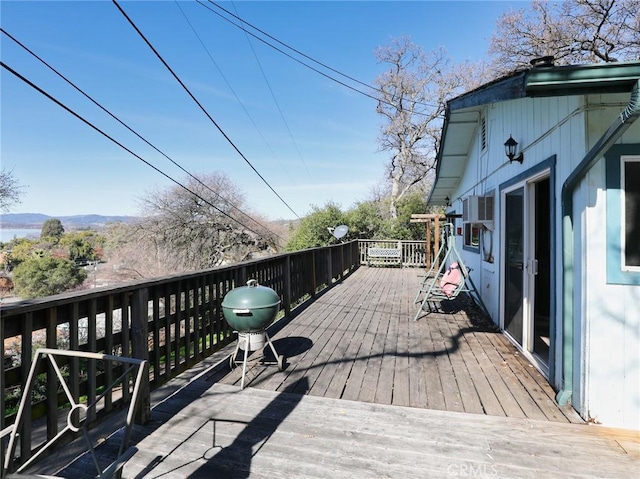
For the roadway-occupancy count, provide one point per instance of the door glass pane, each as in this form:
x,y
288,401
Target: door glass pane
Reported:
x,y
514,263
542,298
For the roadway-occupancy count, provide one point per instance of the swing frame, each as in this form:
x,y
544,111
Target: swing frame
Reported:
x,y
431,285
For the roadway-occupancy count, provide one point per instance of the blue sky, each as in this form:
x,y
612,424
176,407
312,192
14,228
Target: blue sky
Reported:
x,y
316,142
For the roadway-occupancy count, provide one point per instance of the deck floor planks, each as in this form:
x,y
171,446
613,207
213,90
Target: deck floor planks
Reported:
x,y
345,355
434,386
385,387
402,380
522,391
328,347
351,353
468,393
379,326
306,367
534,382
365,345
447,378
256,433
323,345
264,431
492,373
490,403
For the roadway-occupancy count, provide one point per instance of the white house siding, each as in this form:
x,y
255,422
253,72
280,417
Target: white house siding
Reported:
x,y
607,329
611,319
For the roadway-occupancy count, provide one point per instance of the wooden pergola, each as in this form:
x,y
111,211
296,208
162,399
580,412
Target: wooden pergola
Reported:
x,y
428,219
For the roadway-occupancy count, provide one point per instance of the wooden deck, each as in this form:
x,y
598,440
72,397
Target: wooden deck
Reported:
x,y
220,431
370,393
359,341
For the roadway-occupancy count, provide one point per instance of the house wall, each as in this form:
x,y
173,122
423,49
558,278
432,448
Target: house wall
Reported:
x,y
559,131
611,323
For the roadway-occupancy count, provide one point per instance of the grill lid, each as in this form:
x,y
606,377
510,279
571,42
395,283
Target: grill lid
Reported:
x,y
252,296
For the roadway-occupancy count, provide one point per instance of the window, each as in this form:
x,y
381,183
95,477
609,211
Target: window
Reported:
x,y
630,205
472,236
623,214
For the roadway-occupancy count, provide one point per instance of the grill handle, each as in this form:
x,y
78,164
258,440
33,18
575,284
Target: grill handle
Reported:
x,y
242,312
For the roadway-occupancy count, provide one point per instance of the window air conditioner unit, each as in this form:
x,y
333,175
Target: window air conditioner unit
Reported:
x,y
478,209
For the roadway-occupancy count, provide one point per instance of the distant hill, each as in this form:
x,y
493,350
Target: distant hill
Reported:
x,y
36,220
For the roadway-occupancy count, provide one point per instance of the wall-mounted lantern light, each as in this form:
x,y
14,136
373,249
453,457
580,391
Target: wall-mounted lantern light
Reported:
x,y
510,147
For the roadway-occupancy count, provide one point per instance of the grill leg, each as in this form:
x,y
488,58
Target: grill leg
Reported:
x,y
244,361
273,349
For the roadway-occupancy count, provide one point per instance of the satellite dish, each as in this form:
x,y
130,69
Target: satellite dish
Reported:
x,y
340,231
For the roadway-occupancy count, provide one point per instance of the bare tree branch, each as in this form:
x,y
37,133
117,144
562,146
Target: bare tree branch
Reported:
x,y
572,31
412,100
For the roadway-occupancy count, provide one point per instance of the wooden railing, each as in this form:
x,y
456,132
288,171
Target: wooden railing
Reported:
x,y
412,253
173,322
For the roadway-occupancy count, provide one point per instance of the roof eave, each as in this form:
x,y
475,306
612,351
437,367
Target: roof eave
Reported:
x,y
536,82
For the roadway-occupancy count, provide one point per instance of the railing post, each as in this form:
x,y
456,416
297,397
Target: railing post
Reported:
x,y
140,347
26,356
314,274
427,256
2,395
287,286
436,238
52,379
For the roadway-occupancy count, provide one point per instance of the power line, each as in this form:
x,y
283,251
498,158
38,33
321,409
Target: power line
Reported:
x,y
201,107
275,100
255,125
86,95
244,22
109,137
287,55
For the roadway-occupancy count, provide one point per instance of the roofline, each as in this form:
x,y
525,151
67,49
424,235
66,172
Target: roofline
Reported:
x,y
616,77
542,81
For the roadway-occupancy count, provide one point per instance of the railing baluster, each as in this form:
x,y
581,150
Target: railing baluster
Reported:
x,y
108,346
126,339
52,382
3,422
167,334
26,355
156,335
92,372
193,322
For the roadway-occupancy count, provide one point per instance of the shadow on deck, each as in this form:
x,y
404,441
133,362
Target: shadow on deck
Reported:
x,y
359,341
369,393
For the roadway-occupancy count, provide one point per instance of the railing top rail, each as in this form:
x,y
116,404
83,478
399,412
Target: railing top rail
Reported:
x,y
75,296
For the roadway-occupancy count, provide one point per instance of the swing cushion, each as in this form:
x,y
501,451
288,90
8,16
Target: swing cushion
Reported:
x,y
451,280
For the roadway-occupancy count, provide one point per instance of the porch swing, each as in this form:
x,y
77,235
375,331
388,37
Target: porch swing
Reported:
x,y
451,278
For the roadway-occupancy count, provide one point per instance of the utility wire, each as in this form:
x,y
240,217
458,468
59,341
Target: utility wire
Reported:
x,y
244,22
202,107
109,137
275,100
284,170
288,55
86,95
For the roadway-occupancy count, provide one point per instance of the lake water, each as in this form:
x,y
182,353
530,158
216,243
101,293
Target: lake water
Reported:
x,y
7,234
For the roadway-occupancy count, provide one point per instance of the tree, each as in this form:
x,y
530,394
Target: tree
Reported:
x,y
190,229
82,245
412,97
314,229
52,228
43,276
572,31
10,190
366,219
